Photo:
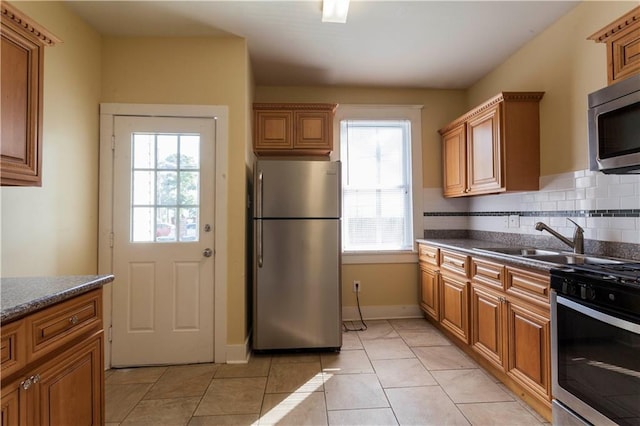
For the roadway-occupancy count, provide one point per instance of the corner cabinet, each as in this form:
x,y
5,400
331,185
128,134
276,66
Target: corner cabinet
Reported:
x,y
53,365
293,129
493,148
22,62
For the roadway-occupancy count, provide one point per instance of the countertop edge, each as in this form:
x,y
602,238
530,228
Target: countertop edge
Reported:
x,y
19,311
471,247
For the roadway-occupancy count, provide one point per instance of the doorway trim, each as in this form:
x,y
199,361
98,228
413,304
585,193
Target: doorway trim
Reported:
x,y
108,111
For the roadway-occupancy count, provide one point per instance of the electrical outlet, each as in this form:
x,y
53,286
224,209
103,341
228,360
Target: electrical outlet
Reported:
x,y
356,286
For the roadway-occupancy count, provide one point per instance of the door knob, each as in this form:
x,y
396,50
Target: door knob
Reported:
x,y
207,252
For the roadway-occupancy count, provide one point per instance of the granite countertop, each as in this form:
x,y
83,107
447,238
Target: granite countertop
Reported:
x,y
22,296
471,246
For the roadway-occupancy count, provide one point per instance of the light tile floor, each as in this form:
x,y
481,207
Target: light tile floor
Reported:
x,y
396,372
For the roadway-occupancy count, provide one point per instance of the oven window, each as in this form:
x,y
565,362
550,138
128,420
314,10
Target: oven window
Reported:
x,y
600,364
618,131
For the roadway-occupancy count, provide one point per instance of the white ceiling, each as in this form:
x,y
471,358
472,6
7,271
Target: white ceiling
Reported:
x,y
418,44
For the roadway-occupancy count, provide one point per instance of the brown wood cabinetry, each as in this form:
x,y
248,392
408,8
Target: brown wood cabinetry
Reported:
x,y
493,148
622,38
22,62
293,129
61,378
499,314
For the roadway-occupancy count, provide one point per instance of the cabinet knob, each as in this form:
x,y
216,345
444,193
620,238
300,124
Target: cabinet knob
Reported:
x,y
73,320
26,384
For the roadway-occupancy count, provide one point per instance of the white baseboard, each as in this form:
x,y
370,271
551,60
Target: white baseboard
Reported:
x,y
239,354
350,313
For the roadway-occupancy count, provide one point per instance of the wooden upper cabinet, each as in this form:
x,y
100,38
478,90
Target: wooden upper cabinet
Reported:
x,y
497,147
454,159
622,38
293,129
22,62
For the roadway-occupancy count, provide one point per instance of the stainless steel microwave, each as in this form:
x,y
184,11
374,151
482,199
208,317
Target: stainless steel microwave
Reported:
x,y
614,128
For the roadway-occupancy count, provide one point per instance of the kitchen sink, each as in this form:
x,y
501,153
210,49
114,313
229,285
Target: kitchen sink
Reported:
x,y
551,256
572,259
520,251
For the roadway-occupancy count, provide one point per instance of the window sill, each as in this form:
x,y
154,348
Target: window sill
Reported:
x,y
379,257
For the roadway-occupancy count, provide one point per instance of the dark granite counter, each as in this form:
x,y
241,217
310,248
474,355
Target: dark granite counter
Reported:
x,y
22,296
477,248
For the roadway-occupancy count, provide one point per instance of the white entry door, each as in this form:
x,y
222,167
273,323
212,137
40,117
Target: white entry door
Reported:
x,y
163,240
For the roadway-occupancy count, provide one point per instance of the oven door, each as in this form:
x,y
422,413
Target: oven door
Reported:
x,y
595,362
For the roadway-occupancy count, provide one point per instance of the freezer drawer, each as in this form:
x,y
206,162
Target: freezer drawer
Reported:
x,y
297,297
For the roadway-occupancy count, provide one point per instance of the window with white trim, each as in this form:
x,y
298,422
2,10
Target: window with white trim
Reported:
x,y
381,179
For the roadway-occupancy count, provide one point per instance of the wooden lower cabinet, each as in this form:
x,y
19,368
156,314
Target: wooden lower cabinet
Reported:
x,y
528,334
499,315
488,324
454,306
429,291
63,384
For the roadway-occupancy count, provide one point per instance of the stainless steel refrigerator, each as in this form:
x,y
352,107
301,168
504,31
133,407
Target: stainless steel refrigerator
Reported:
x,y
297,255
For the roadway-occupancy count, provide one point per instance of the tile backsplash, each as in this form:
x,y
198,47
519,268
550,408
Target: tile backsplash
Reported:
x,y
606,206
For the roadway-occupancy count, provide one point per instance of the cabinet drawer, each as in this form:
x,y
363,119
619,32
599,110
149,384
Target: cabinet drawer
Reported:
x,y
57,325
12,347
428,254
488,273
454,262
529,285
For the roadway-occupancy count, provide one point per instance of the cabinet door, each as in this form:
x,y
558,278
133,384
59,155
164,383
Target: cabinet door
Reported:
x,y
273,130
487,328
484,152
429,292
313,131
454,306
454,162
69,391
529,360
10,403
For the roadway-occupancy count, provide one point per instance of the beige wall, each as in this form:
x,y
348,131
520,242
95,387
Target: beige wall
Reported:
x,y
52,230
202,70
564,64
384,284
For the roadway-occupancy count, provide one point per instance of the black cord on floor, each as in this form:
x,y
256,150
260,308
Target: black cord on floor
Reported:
x,y
364,325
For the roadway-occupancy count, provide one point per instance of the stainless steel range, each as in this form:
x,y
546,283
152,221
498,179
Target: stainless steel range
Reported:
x,y
595,344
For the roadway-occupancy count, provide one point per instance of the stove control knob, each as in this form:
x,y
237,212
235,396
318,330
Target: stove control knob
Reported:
x,y
572,289
565,286
591,293
583,292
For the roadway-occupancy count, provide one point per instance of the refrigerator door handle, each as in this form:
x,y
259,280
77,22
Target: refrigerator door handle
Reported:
x,y
259,214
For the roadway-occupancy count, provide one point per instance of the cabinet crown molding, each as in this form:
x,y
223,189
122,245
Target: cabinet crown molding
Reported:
x,y
500,97
296,106
622,23
19,18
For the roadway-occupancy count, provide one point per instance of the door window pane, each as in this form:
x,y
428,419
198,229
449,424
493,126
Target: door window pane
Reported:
x,y
165,187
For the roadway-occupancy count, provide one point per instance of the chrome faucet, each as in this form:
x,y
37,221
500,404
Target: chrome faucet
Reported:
x,y
578,236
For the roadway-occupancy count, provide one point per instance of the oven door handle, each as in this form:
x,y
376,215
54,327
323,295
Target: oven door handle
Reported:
x,y
600,316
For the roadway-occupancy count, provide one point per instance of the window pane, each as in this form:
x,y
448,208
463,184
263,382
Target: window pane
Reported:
x,y
189,188
189,229
165,228
143,189
167,151
144,153
377,207
142,226
167,188
190,152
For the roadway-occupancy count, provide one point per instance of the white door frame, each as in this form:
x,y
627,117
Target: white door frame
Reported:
x,y
105,208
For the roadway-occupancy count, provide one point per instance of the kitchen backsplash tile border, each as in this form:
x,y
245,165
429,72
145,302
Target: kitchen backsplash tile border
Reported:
x,y
606,206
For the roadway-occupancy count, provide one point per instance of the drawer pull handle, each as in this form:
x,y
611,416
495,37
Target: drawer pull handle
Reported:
x,y
30,381
73,320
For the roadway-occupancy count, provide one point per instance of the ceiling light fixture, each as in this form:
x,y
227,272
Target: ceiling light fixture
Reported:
x,y
335,11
